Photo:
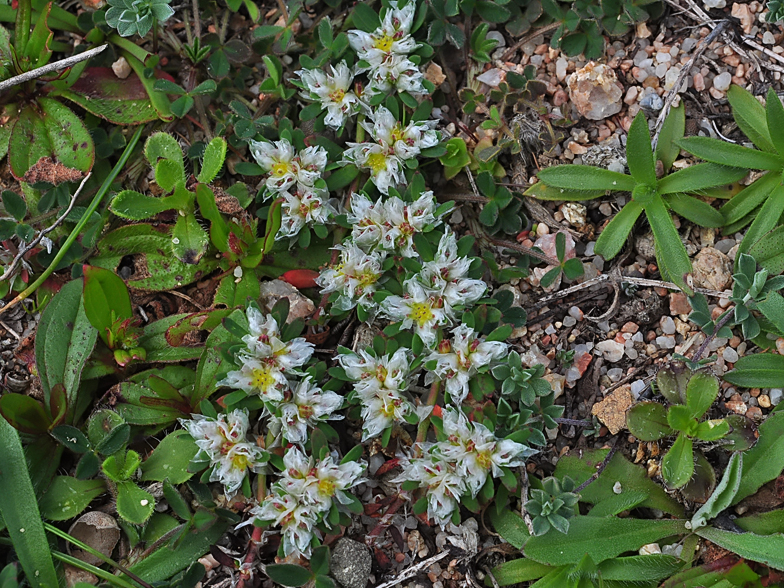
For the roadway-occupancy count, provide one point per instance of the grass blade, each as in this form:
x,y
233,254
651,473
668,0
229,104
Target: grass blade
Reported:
x,y
585,177
19,509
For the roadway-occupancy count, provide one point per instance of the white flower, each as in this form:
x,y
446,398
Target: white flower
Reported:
x,y
406,219
443,482
225,443
476,451
259,377
391,38
305,206
380,410
367,219
446,274
284,167
333,93
317,483
371,374
459,360
397,72
307,406
355,277
264,342
385,167
295,519
421,309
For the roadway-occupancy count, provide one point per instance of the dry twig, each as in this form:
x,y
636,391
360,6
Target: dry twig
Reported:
x,y
50,67
414,570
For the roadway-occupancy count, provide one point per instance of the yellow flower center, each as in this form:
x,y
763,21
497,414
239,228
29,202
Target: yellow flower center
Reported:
x,y
384,43
367,278
421,313
483,459
326,487
396,134
240,461
280,169
337,95
261,379
377,162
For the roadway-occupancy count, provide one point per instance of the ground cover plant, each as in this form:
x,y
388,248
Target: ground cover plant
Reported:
x,y
314,294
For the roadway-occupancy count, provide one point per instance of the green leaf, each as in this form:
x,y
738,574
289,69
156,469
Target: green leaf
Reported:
x,y
600,538
19,511
542,191
699,212
573,268
639,568
214,155
774,114
765,461
152,246
106,298
168,87
721,152
723,494
772,306
64,341
164,146
751,117
134,504
585,177
767,549
701,392
14,205
170,459
669,248
613,237
639,153
626,500
519,570
648,421
189,240
633,478
766,220
759,370
289,574
711,430
25,413
343,176
67,497
135,206
365,18
672,130
678,464
769,251
699,177
745,201
510,525
764,523
680,419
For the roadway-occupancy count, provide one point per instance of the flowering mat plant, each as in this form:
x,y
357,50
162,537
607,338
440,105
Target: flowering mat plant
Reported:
x,y
322,293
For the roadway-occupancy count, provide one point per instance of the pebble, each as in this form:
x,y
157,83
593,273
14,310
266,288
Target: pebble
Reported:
x,y
611,350
688,44
576,313
542,230
754,413
652,101
663,57
725,245
121,68
712,269
730,355
722,81
679,304
595,91
666,342
671,77
615,374
560,69
768,38
491,77
775,395
667,325
496,36
569,321
630,327
698,81
637,387
631,95
780,345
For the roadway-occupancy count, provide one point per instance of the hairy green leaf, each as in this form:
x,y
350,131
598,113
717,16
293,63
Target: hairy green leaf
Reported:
x,y
723,494
751,117
170,459
639,153
765,461
678,464
766,220
701,392
613,237
774,115
699,177
67,497
542,191
214,155
760,370
519,570
669,248
648,421
585,177
691,208
745,201
721,152
767,549
672,130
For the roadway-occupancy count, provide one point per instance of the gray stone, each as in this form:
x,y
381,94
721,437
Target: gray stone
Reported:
x,y
724,245
595,91
730,355
300,306
712,269
775,395
350,563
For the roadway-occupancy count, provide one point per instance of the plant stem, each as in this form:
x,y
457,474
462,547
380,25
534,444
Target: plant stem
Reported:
x,y
723,321
155,36
22,29
103,574
77,230
598,471
424,426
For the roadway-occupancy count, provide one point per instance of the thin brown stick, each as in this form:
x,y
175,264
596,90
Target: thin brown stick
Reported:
x,y
598,471
414,570
50,67
532,35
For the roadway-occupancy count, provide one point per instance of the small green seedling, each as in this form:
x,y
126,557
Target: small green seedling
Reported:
x,y
552,506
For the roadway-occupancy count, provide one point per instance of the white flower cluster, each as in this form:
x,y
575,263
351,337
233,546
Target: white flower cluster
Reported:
x,y
380,384
460,464
305,493
435,293
294,178
386,226
384,53
392,145
334,93
224,442
458,360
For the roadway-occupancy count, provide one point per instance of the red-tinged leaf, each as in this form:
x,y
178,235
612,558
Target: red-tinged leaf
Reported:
x,y
106,298
24,413
387,466
301,278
